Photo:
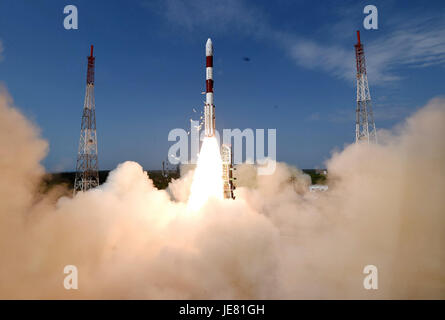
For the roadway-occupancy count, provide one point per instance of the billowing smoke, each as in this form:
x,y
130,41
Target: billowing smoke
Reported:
x,y
385,206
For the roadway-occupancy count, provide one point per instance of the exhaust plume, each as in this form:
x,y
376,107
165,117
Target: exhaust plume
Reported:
x,y
385,206
207,180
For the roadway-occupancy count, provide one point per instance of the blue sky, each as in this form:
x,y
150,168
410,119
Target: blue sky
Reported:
x,y
150,70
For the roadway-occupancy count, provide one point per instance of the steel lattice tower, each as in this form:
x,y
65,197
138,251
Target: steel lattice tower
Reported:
x,y
364,123
87,174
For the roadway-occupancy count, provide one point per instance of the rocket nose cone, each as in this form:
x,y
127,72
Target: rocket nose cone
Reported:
x,y
209,47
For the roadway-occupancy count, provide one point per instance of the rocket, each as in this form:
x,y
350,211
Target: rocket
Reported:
x,y
209,108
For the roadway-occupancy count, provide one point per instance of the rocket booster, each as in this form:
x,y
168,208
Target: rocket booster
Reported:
x,y
209,108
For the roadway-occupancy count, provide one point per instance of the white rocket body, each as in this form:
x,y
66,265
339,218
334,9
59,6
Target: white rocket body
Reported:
x,y
209,108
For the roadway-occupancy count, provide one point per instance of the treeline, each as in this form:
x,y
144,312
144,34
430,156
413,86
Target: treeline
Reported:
x,y
160,179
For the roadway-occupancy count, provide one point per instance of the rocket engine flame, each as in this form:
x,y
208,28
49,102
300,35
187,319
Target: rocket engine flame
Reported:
x,y
207,180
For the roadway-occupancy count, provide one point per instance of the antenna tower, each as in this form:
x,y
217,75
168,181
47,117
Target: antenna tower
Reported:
x,y
87,172
364,123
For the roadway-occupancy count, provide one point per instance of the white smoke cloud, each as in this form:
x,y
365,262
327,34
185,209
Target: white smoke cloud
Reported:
x,y
385,207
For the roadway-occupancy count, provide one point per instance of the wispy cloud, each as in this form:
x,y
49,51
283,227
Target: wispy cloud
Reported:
x,y
420,44
217,16
409,44
333,59
410,41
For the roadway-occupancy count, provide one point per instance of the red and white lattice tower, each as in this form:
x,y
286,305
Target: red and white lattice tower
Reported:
x,y
87,172
364,123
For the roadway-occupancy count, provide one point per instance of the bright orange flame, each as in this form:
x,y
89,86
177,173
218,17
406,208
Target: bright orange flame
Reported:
x,y
207,180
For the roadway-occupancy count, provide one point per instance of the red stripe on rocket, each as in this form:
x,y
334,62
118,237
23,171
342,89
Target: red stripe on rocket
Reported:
x,y
209,108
